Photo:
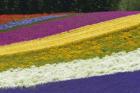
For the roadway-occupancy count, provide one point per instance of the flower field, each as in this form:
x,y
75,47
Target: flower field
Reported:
x,y
15,17
29,21
71,53
26,22
8,18
50,28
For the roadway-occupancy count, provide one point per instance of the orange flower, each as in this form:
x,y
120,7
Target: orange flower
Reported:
x,y
16,17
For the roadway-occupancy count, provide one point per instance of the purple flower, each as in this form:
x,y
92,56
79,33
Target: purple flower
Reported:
x,y
26,22
54,27
127,82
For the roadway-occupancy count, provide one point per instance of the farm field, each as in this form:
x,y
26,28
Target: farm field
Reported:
x,y
103,45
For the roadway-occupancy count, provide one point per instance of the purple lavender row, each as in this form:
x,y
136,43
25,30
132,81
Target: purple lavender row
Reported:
x,y
54,27
26,21
127,82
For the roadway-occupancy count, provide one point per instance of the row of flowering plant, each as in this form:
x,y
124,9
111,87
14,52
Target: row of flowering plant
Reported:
x,y
17,17
55,27
110,64
93,47
26,21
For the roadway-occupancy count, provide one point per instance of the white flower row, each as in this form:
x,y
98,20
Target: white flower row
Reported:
x,y
118,62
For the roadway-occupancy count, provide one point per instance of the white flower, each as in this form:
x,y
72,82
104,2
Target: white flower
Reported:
x,y
117,62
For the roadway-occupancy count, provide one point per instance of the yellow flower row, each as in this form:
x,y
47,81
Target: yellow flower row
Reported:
x,y
124,40
74,35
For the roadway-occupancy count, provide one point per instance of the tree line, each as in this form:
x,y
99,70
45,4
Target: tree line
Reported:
x,y
50,6
129,5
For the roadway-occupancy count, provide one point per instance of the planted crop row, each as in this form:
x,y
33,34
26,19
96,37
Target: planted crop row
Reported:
x,y
15,17
117,83
54,27
26,22
125,40
5,18
75,35
32,76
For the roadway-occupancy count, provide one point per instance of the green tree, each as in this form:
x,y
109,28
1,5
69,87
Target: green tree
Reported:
x,y
33,6
95,5
23,6
4,6
1,6
12,6
129,5
40,6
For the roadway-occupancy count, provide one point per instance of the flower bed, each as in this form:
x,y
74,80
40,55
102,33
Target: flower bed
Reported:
x,y
54,27
7,18
17,17
101,56
27,21
93,47
119,62
116,83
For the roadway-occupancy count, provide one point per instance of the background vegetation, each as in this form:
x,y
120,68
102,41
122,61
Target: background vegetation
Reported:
x,y
50,6
129,5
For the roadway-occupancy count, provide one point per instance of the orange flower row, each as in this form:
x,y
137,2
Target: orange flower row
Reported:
x,y
16,17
